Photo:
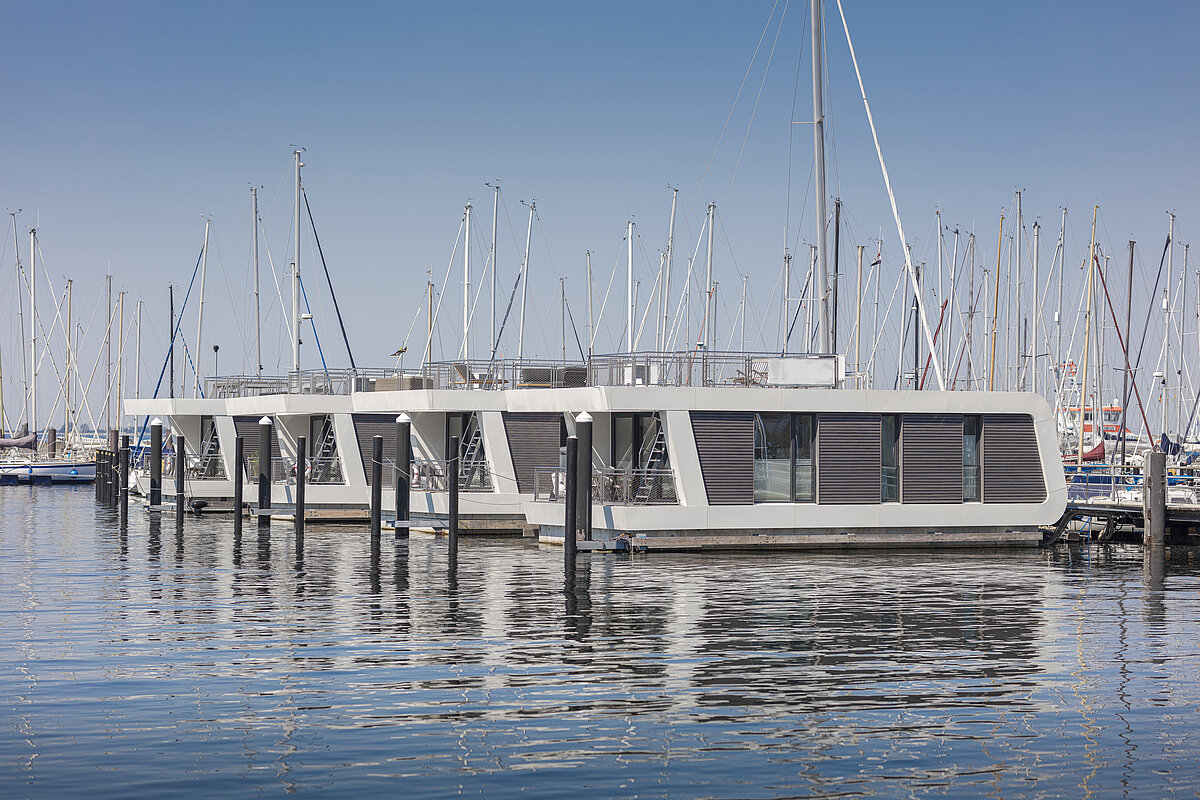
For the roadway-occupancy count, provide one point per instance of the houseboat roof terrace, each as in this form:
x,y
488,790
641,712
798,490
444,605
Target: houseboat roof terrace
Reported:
x,y
691,368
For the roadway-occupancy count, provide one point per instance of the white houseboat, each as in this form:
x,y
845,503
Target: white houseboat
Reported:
x,y
690,450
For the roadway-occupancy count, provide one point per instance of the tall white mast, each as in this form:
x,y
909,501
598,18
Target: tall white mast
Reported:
x,y
296,274
33,330
107,350
200,315
525,280
591,318
822,282
257,310
787,290
667,281
939,243
1037,309
137,355
495,212
121,362
629,297
708,277
1166,306
465,350
67,372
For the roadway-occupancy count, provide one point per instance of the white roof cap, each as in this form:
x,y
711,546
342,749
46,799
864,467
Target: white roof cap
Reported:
x,y
156,421
265,421
583,417
404,418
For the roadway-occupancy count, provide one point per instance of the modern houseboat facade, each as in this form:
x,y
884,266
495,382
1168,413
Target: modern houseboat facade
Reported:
x,y
689,451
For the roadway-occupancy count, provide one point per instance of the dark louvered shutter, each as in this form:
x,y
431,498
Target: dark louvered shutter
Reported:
x,y
1012,465
247,428
725,444
367,427
931,458
848,458
533,442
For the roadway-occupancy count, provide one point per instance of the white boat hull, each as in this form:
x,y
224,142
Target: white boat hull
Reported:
x,y
48,472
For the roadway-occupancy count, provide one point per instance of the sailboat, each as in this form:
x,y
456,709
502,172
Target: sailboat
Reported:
x,y
35,467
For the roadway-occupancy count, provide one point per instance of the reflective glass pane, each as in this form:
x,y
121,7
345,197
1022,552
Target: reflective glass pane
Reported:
x,y
772,458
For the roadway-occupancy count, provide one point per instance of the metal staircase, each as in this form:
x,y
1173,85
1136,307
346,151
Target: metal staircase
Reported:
x,y
473,468
655,460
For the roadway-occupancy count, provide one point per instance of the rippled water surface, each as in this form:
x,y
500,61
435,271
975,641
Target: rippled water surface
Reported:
x,y
154,662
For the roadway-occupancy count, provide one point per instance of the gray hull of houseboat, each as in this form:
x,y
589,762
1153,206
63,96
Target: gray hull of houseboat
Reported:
x,y
692,521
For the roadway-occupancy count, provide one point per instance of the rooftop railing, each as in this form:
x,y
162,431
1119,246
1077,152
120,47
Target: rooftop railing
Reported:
x,y
692,368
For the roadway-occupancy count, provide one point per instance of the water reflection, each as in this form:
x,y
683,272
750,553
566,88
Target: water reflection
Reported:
x,y
495,669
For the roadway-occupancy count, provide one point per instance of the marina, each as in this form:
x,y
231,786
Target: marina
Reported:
x,y
758,400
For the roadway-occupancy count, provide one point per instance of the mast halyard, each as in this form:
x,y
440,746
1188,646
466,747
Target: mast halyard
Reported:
x,y
32,331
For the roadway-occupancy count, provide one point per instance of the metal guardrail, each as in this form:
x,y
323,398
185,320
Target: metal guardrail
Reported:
x,y
636,487
504,374
690,368
432,475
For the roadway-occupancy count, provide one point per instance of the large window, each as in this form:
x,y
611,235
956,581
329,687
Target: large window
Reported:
x,y
971,432
783,458
889,461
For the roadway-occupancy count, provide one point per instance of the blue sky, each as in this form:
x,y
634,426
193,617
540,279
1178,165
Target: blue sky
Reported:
x,y
127,123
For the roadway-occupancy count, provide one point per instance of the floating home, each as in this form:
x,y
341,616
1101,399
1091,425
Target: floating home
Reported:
x,y
690,451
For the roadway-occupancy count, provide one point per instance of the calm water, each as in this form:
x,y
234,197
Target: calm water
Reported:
x,y
148,663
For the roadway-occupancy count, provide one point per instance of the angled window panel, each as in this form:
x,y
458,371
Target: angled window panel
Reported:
x,y
533,442
366,428
725,445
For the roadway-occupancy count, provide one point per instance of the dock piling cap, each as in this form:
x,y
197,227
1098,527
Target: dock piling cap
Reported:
x,y
265,421
583,417
156,421
404,418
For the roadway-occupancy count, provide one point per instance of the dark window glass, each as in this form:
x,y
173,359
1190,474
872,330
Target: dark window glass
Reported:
x,y
624,433
971,431
773,458
805,473
890,459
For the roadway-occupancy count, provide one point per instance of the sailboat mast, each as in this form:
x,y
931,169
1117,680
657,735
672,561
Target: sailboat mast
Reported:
x,y
1087,334
296,274
1166,306
995,307
708,277
822,276
495,218
591,319
107,356
257,309
121,362
67,372
465,350
525,281
1037,309
137,354
33,331
200,315
787,289
858,312
630,299
662,339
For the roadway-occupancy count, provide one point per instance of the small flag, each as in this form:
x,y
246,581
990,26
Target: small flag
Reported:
x,y
399,352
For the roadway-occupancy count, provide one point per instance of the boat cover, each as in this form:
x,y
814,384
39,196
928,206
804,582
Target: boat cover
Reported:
x,y
27,442
1095,454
